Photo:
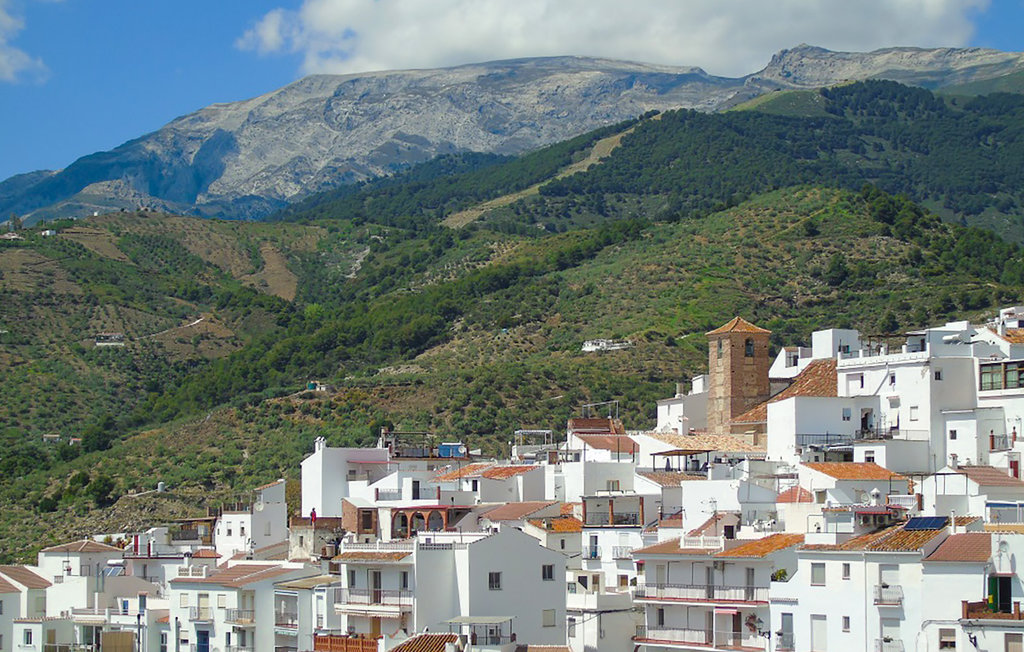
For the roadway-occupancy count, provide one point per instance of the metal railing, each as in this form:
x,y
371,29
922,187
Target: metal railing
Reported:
x,y
592,552
289,619
888,645
403,546
200,614
702,592
618,518
908,501
622,552
786,641
383,597
674,635
240,616
999,443
238,648
889,594
66,647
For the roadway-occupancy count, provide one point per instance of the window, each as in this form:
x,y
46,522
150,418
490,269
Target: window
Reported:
x,y
846,571
991,376
612,485
302,541
938,374
952,435
163,641
266,529
548,617
869,456
892,380
748,348
847,414
229,530
476,485
819,495
27,637
222,601
351,578
1,607
661,617
1013,374
561,544
623,581
846,623
241,530
913,413
183,600
719,349
818,574
947,639
570,627
403,580
494,581
861,378
367,520
547,572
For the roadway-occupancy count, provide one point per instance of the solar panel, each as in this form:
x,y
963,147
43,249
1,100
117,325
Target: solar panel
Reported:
x,y
926,523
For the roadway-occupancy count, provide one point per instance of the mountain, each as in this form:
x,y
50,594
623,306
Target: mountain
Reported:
x,y
247,159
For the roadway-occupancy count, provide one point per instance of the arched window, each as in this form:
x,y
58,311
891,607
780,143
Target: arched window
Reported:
x,y
748,349
719,349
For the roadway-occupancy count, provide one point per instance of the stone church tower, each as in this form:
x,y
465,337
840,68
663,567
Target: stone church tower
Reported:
x,y
737,372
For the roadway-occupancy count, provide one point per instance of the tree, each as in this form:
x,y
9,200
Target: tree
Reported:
x,y
100,490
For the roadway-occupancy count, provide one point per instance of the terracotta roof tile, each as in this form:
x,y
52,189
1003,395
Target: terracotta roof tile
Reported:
x,y
371,555
764,546
714,524
891,539
596,426
1013,335
205,553
467,471
964,547
669,478
614,443
505,472
568,509
426,643
268,485
738,325
7,587
238,575
83,546
27,578
819,378
795,495
853,470
990,476
516,511
706,443
559,524
671,547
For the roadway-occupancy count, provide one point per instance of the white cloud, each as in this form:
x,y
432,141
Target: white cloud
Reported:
x,y
726,37
15,64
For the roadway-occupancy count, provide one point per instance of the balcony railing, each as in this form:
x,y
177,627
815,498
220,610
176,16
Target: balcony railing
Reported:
x,y
709,542
888,645
701,592
787,642
407,545
388,494
618,518
238,648
334,643
902,500
622,552
889,594
674,635
288,619
200,614
67,647
999,443
592,552
240,616
382,597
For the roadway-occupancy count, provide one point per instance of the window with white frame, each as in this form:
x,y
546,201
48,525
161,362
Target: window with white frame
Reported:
x,y
222,601
494,581
847,413
913,413
846,623
947,639
27,637
547,572
818,574
846,570
404,579
183,600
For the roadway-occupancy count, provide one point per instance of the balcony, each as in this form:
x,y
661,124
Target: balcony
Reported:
x,y
889,595
982,611
286,619
334,643
192,536
604,519
200,614
888,645
592,552
906,501
786,642
622,552
674,635
372,601
701,593
236,648
240,616
67,647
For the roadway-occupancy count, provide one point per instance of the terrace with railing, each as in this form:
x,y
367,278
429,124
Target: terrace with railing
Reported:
x,y
240,616
397,598
701,593
889,595
200,614
888,645
286,619
336,643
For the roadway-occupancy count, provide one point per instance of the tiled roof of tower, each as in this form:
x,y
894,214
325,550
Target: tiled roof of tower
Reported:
x,y
819,379
25,577
426,643
795,495
85,545
614,443
964,547
853,470
763,546
669,478
990,476
738,325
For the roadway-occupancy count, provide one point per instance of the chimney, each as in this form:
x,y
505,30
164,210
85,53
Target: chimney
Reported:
x,y
1002,328
952,521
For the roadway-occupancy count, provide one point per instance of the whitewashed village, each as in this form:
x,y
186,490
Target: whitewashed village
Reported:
x,y
855,493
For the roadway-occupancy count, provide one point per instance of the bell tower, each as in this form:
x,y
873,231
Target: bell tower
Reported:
x,y
737,372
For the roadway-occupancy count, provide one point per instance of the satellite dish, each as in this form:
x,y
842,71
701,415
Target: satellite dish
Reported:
x,y
259,506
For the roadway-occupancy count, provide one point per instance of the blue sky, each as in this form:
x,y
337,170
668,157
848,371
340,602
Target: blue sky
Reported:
x,y
78,77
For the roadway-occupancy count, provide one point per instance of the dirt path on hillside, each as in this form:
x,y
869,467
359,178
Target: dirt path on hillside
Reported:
x,y
600,150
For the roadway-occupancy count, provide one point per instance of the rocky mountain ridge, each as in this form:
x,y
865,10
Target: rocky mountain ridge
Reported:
x,y
245,159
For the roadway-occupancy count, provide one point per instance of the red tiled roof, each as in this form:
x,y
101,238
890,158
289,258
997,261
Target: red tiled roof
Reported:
x,y
671,547
990,476
238,575
205,553
891,539
964,547
27,578
268,485
596,426
706,443
817,379
795,495
853,470
516,511
1013,335
738,325
467,471
614,443
568,509
426,643
764,546
7,587
505,472
83,546
669,478
371,555
559,524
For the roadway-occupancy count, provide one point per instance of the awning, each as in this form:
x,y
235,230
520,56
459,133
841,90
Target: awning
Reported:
x,y
726,611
